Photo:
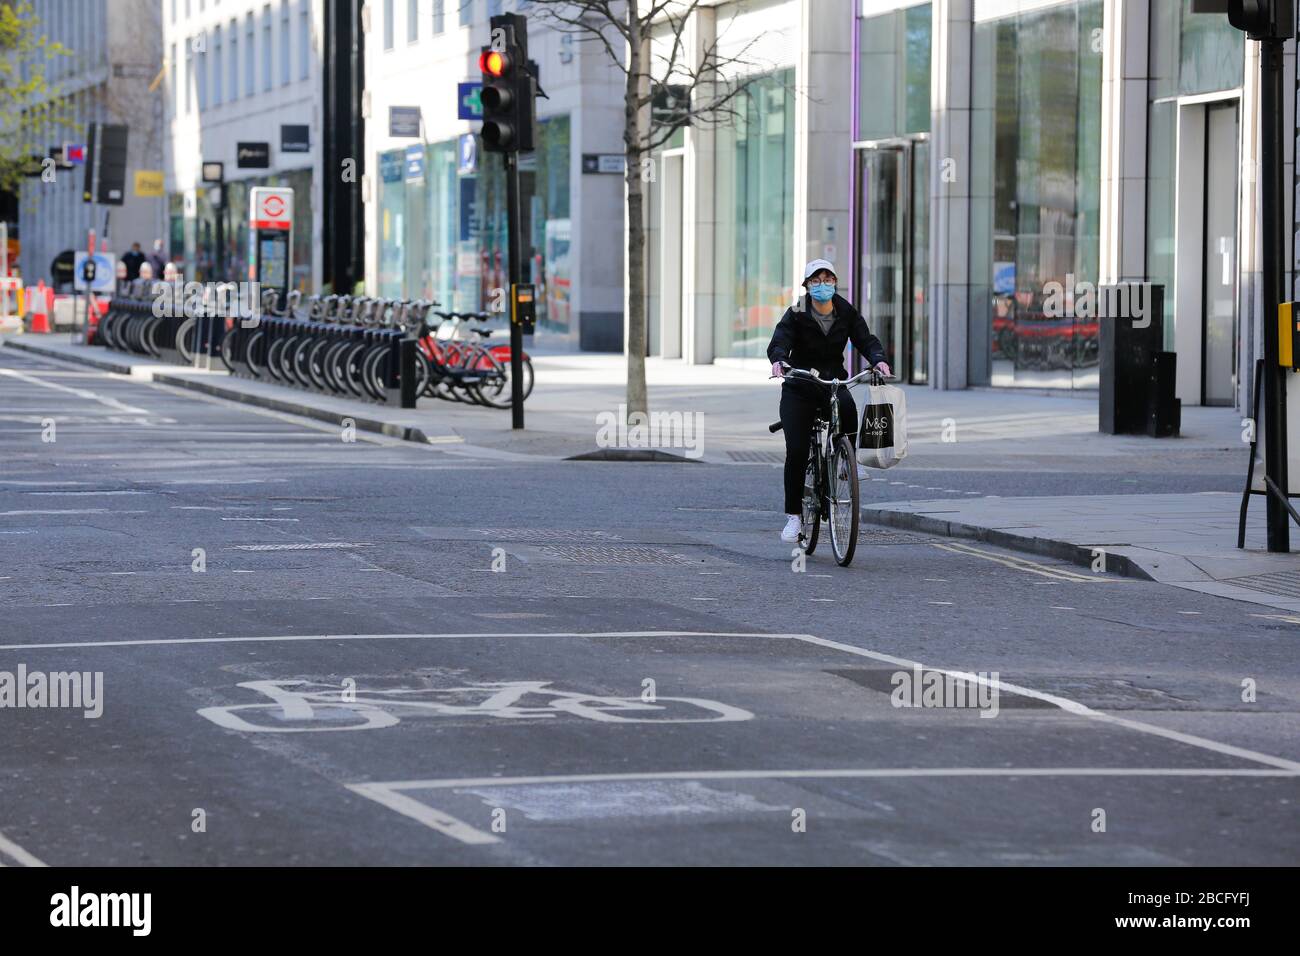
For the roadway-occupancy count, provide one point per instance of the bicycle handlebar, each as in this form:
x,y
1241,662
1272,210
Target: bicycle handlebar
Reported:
x,y
807,375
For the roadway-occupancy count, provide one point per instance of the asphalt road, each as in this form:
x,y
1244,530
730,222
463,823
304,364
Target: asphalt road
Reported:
x,y
325,652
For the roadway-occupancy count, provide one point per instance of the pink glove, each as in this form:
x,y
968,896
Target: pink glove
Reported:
x,y
778,371
883,369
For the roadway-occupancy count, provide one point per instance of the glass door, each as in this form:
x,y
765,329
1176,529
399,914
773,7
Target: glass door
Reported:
x,y
1219,293
881,241
918,261
893,252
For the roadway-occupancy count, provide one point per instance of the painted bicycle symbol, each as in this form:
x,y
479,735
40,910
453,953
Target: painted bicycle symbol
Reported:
x,y
298,706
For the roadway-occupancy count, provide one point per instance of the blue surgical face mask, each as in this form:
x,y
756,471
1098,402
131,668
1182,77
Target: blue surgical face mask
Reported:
x,y
822,291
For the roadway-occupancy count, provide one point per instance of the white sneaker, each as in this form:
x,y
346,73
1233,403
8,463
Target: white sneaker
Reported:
x,y
793,528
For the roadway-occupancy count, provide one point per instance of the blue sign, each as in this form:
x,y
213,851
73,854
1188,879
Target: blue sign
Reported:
x,y
404,121
415,164
468,104
467,155
1004,278
468,207
390,166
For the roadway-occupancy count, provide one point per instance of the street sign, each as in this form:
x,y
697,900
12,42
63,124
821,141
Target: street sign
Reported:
x,y
604,163
390,166
467,155
213,172
74,153
295,138
272,208
415,164
149,183
95,273
253,155
469,106
404,121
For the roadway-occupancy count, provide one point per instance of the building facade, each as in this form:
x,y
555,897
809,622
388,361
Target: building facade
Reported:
x,y
244,89
108,76
961,159
435,205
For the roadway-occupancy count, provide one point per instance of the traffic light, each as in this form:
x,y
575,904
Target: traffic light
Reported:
x,y
1263,19
509,94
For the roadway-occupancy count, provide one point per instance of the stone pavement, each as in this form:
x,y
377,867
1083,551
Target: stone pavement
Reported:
x,y
1185,540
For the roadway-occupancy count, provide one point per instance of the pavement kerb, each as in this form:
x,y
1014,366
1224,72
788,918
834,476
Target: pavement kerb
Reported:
x,y
1047,547
162,376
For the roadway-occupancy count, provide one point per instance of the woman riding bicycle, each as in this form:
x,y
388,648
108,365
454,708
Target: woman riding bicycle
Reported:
x,y
812,335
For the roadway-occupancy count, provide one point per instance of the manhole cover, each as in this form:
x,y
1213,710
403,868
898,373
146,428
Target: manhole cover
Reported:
x,y
1283,583
768,457
869,537
595,554
544,534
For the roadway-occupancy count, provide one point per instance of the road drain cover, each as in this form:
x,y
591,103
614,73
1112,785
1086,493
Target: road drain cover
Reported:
x,y
631,554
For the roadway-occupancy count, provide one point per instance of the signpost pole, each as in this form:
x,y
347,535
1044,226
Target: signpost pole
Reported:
x,y
1274,246
515,246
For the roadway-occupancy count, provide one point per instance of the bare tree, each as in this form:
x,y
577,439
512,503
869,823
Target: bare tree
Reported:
x,y
687,84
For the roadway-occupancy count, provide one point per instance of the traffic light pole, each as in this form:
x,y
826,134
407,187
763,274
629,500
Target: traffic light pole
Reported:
x,y
1272,202
514,226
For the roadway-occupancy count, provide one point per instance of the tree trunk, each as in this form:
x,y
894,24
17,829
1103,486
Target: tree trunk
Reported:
x,y
638,58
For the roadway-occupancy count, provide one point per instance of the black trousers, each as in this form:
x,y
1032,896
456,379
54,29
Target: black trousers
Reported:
x,y
798,409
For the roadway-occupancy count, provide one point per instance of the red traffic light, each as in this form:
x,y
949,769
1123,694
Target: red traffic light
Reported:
x,y
494,62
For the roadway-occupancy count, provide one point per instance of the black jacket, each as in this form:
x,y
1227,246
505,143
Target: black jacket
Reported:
x,y
799,340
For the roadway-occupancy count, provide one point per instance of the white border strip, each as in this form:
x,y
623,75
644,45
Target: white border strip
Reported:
x,y
12,850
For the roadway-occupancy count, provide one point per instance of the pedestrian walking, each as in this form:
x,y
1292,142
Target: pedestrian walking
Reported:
x,y
157,259
133,259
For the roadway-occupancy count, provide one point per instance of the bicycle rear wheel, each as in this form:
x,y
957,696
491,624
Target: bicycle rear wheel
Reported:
x,y
842,495
812,498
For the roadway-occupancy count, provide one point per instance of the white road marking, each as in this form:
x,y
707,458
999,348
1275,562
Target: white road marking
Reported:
x,y
423,813
940,603
12,850
1189,612
1058,607
71,511
1063,703
85,393
259,519
388,792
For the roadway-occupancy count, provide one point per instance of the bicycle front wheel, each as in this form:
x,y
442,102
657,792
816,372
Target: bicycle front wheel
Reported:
x,y
843,499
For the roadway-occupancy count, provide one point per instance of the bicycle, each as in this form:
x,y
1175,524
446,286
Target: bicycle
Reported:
x,y
297,706
831,491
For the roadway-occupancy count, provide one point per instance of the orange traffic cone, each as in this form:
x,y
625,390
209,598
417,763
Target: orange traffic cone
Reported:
x,y
40,309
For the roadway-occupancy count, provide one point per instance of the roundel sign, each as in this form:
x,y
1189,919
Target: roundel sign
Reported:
x,y
270,208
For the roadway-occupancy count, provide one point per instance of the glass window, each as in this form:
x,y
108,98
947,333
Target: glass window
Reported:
x,y
266,48
1190,53
754,193
285,65
201,77
412,20
439,17
392,227
188,79
233,73
894,73
388,24
1036,133
250,61
304,41
174,65
217,61
466,12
